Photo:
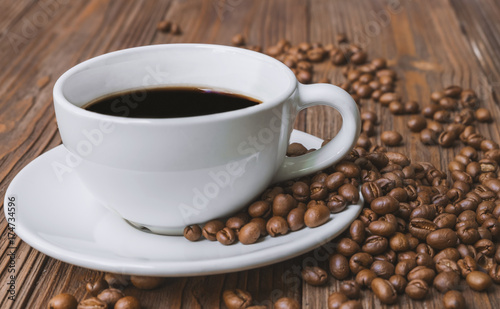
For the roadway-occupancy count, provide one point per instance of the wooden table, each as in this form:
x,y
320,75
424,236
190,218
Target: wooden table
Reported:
x,y
431,45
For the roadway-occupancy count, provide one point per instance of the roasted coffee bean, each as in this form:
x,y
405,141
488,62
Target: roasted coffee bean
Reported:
x,y
236,222
339,266
404,267
117,280
371,191
391,138
382,269
384,205
399,242
375,245
304,77
421,227
417,289
314,275
396,108
316,216
411,107
359,57
422,273
110,296
424,259
238,40
235,299
466,265
448,103
494,273
277,226
93,303
349,192
336,203
485,246
300,191
146,282
295,219
483,115
350,289
468,235
416,123
442,238
94,288
444,265
437,95
382,228
351,304
249,233
399,283
226,236
165,26
447,138
335,181
259,209
478,280
425,211
358,262
389,97
384,291
428,137
442,116
211,228
364,278
448,253
282,204
446,281
63,301
453,300
357,231
192,232
347,247
336,299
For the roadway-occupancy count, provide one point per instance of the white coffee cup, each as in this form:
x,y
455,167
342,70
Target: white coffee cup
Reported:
x,y
164,174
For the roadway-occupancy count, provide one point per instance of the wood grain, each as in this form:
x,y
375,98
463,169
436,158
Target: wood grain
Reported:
x,y
430,45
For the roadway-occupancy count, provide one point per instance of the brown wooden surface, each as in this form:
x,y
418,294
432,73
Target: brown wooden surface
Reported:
x,y
431,45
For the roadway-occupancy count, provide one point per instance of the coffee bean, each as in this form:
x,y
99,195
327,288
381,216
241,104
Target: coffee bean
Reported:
x,y
411,107
110,296
336,299
351,304
349,192
391,138
383,269
94,288
238,40
259,209
117,280
249,233
396,108
417,123
445,220
442,238
357,231
428,137
295,219
192,232
448,103
442,116
446,281
384,291
282,204
314,275
454,300
422,273
448,253
389,97
417,289
286,303
63,301
276,226
483,115
316,54
347,247
92,303
447,138
350,289
404,267
146,282
235,299
466,265
384,205
375,245
128,302
364,278
304,77
211,228
478,281
226,236
339,266
468,235
316,216
444,265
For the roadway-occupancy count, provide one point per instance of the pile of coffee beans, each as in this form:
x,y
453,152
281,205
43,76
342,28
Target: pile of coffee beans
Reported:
x,y
106,293
237,299
287,207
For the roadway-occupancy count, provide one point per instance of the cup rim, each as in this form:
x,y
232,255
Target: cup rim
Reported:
x,y
61,101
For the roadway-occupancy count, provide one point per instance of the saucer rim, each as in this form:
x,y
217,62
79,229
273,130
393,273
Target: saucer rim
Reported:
x,y
258,258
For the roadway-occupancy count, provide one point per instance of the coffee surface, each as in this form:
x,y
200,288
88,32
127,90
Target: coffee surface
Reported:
x,y
169,102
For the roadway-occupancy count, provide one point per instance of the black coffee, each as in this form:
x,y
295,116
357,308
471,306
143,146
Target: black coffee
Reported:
x,y
169,102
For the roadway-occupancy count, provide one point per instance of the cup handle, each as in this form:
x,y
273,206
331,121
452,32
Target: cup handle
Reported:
x,y
338,147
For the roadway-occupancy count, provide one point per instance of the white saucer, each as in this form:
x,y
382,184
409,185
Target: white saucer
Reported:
x,y
62,220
